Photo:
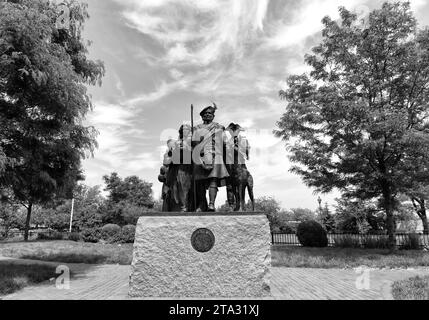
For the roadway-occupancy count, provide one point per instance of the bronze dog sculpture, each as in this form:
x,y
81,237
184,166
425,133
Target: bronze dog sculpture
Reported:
x,y
240,178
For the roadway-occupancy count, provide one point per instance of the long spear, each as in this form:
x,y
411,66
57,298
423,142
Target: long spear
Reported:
x,y
192,158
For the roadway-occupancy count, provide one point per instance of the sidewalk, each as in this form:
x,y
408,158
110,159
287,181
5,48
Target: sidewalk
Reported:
x,y
110,282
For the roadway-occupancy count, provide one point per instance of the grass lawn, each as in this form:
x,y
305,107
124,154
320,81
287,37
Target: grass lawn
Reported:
x,y
416,288
69,252
282,256
299,257
15,276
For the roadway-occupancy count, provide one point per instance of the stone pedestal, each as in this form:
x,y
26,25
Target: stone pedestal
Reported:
x,y
201,256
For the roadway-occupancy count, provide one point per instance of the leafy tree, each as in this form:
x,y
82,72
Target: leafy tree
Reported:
x,y
326,219
3,160
132,213
271,207
157,207
267,205
88,196
288,220
87,207
57,218
418,189
9,218
358,120
301,214
284,223
123,213
128,199
43,100
406,218
131,189
357,216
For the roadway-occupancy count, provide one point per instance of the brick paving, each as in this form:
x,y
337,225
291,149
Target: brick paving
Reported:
x,y
336,284
88,282
110,282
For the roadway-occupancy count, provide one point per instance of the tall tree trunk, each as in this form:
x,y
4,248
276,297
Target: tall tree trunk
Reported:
x,y
390,221
425,224
27,221
391,227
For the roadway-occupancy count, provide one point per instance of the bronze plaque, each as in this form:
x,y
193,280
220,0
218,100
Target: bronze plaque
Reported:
x,y
202,240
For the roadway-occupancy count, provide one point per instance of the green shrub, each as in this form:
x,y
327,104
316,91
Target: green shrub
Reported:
x,y
311,234
131,214
346,241
111,233
287,228
416,288
412,242
51,235
128,233
74,236
91,234
89,258
379,242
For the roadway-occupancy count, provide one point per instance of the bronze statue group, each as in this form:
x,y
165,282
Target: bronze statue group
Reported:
x,y
206,157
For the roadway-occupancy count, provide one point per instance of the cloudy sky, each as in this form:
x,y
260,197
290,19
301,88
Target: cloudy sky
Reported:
x,y
161,56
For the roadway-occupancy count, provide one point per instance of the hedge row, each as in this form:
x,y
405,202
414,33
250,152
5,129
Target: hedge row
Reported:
x,y
110,233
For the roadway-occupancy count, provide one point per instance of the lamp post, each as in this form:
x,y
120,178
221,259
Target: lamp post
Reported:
x,y
71,215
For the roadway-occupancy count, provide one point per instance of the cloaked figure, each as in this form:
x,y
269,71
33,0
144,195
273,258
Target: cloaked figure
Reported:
x,y
178,180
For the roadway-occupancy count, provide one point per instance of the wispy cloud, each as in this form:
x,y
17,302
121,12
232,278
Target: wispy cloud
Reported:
x,y
119,85
118,137
198,32
164,89
305,22
164,55
109,114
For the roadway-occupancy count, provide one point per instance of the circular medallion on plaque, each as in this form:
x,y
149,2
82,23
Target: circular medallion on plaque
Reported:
x,y
202,240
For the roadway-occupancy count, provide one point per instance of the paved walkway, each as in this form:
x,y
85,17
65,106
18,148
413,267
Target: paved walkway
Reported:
x,y
106,282
337,284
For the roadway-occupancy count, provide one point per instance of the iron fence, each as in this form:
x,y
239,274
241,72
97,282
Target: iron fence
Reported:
x,y
291,239
358,240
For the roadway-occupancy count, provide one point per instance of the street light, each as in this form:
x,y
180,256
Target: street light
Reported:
x,y
71,215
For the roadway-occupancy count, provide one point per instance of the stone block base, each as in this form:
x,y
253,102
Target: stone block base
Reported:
x,y
201,256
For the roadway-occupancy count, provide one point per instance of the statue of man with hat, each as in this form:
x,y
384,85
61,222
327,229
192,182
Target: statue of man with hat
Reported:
x,y
210,171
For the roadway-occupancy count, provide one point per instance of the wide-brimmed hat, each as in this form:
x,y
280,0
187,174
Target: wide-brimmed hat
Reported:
x,y
212,109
